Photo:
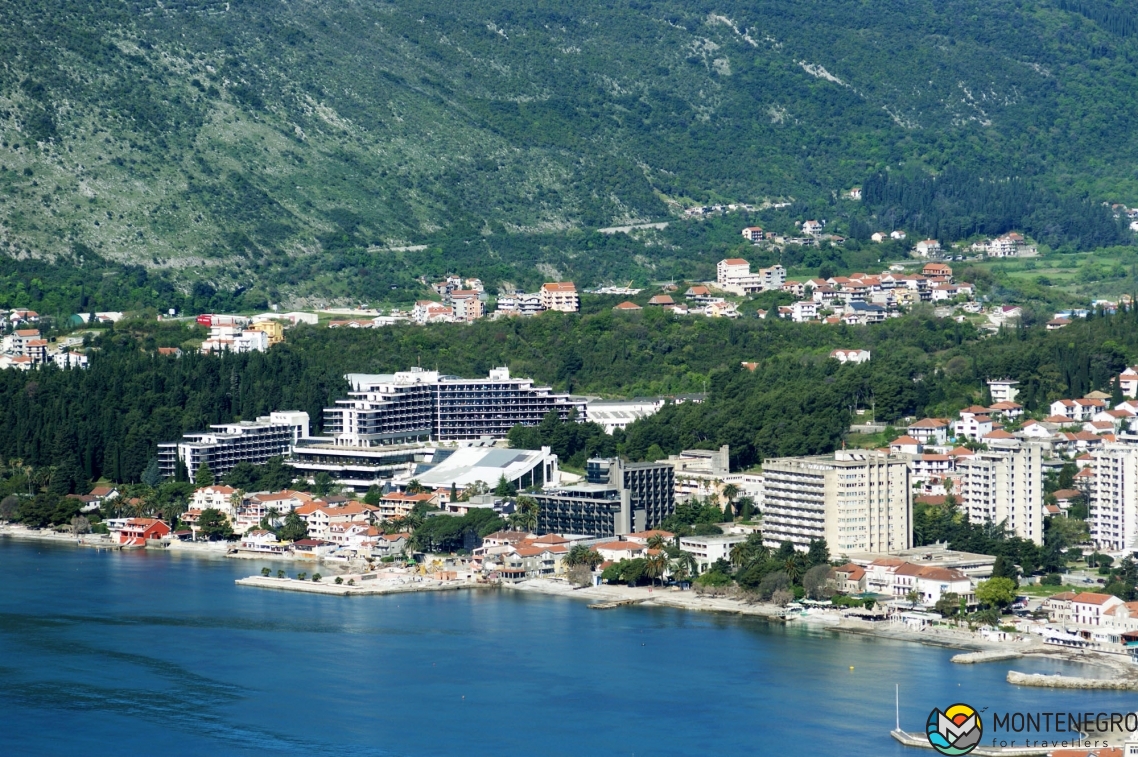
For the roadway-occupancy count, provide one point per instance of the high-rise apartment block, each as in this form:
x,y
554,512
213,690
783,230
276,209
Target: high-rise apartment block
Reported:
x,y
1005,486
1113,501
858,501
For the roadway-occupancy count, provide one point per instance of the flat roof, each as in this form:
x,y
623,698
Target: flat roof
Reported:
x,y
487,464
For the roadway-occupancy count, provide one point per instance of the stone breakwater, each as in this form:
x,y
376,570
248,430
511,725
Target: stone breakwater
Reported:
x,y
1069,682
992,655
362,588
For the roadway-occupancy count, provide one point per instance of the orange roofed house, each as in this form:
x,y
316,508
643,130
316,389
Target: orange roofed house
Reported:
x,y
560,296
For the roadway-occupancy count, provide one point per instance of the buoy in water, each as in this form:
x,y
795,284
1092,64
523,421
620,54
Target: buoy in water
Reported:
x,y
851,667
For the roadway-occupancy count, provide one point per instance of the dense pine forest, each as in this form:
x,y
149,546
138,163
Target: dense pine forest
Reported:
x,y
106,420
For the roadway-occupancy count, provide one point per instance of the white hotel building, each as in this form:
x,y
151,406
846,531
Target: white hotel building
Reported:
x,y
419,405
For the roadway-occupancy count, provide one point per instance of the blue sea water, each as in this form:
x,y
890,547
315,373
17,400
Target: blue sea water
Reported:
x,y
155,653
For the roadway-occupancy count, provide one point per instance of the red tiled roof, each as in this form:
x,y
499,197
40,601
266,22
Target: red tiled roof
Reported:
x,y
619,545
1092,598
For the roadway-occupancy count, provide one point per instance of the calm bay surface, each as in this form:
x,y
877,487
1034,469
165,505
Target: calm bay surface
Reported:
x,y
144,652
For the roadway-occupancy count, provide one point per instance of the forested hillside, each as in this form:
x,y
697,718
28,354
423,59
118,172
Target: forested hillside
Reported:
x,y
228,140
106,420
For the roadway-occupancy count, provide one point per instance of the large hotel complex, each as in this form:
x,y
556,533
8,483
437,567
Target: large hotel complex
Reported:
x,y
419,405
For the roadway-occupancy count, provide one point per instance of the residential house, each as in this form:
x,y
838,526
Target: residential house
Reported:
x,y
905,445
804,310
812,228
974,423
1009,410
929,466
137,531
389,544
700,293
1089,608
937,269
662,300
849,579
428,311
615,551
643,537
1078,410
930,431
1058,607
797,288
928,247
104,493
753,234
627,307
260,541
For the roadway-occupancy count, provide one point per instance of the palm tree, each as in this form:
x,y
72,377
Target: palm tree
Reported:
x,y
679,570
655,566
730,492
414,487
656,542
686,563
793,568
525,514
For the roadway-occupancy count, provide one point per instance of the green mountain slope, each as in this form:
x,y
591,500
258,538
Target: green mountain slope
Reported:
x,y
197,133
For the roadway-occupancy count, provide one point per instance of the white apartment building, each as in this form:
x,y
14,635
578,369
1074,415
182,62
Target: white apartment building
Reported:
x,y
1113,501
215,497
735,274
230,337
521,303
708,549
560,296
1003,390
732,270
753,234
858,501
1005,486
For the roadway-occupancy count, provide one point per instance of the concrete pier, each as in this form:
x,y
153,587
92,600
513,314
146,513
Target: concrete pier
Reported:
x,y
362,588
922,742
